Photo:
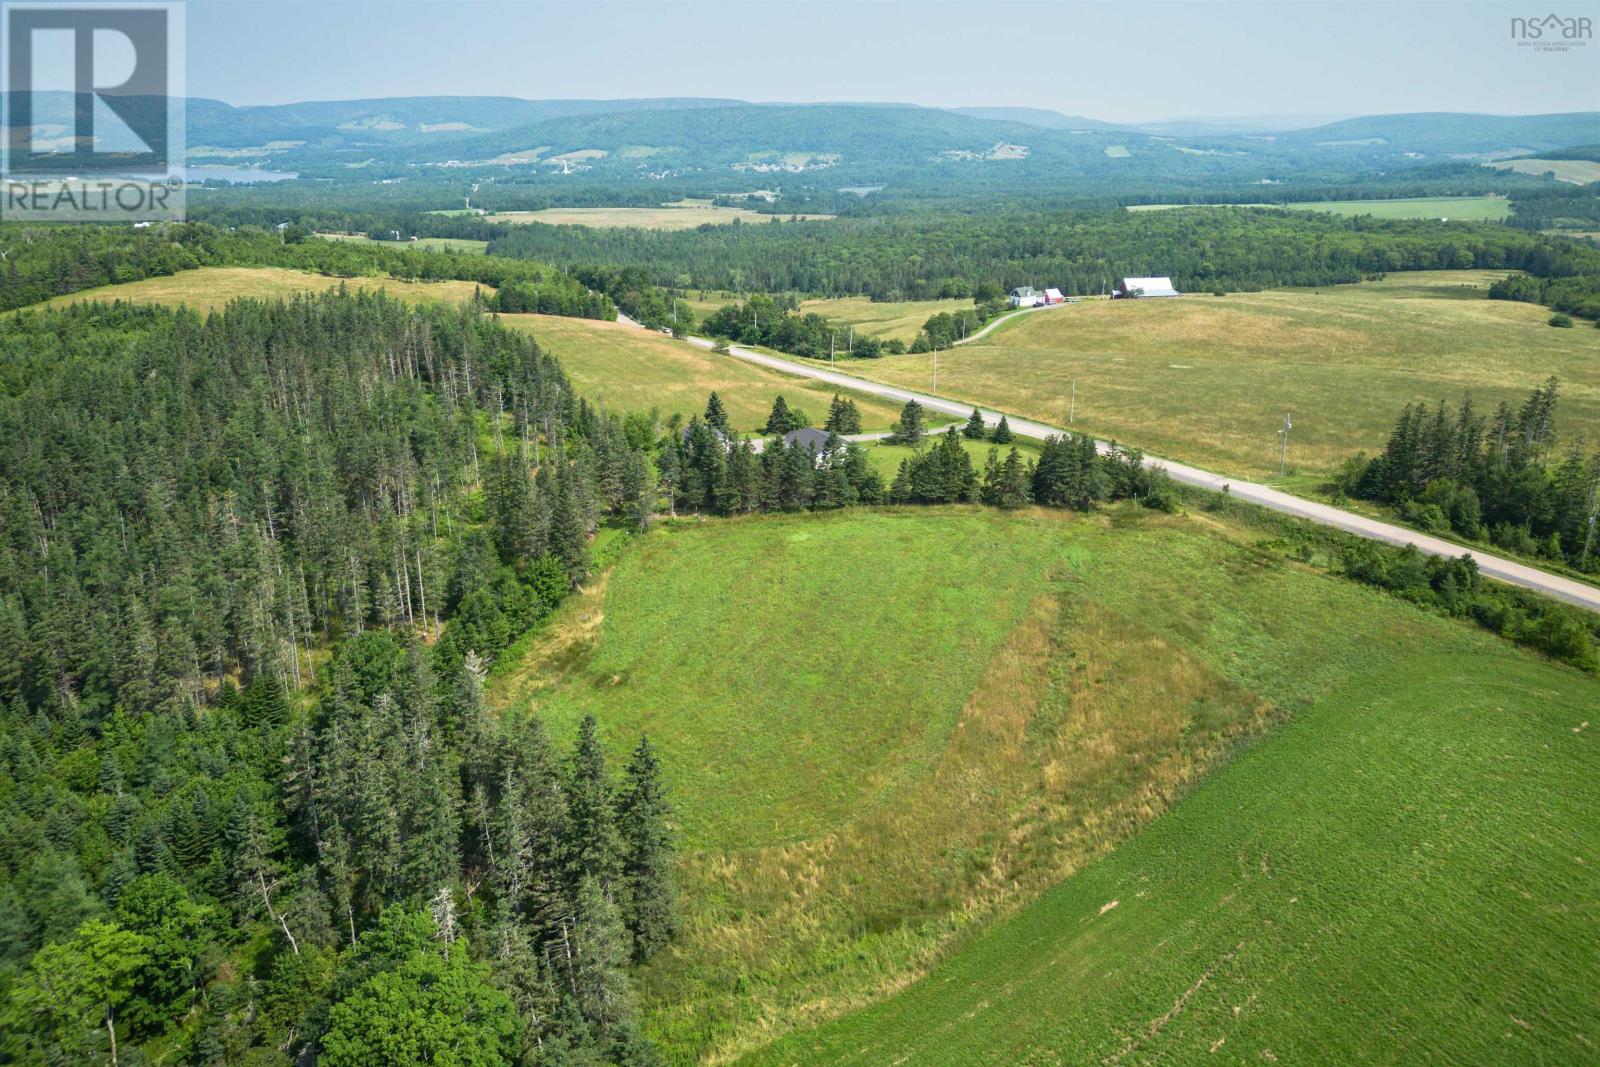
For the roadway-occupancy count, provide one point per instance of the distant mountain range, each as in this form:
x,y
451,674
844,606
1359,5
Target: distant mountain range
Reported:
x,y
694,137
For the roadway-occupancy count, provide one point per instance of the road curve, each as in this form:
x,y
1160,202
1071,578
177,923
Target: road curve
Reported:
x,y
1007,317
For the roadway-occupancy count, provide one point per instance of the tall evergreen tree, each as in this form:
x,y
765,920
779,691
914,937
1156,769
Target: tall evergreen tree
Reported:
x,y
974,430
642,819
716,417
596,848
911,425
782,420
844,417
600,958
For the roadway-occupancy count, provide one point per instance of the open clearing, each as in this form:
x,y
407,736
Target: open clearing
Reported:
x,y
424,244
897,798
1207,380
211,288
1455,208
629,369
1576,171
682,216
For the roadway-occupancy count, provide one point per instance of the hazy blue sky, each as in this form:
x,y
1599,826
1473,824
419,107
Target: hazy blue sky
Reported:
x,y
1123,61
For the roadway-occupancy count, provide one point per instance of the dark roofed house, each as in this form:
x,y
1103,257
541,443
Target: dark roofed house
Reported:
x,y
815,440
726,439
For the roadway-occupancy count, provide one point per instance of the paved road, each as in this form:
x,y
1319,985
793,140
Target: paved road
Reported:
x,y
1573,592
1007,317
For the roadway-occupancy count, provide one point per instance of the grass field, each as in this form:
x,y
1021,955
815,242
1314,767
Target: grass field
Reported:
x,y
425,244
1207,380
211,288
881,773
1455,208
1402,873
685,216
629,369
1576,171
900,319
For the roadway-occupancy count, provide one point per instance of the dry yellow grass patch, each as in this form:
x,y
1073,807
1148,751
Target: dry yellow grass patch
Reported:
x,y
1084,728
212,288
1207,380
565,640
624,368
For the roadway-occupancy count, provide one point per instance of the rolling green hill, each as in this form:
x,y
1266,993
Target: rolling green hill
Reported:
x,y
1402,873
881,774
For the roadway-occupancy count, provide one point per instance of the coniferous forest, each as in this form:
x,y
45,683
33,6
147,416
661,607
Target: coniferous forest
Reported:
x,y
253,569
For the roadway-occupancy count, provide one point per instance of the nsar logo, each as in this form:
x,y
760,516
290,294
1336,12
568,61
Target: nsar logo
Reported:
x,y
1552,33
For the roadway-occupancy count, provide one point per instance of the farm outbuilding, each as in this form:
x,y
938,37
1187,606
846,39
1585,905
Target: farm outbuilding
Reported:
x,y
1145,287
1026,296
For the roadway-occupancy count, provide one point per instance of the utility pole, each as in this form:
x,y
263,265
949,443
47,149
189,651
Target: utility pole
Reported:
x,y
830,346
1072,409
1594,514
935,370
1283,456
851,347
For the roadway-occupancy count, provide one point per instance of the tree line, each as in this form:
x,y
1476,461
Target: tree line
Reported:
x,y
1495,477
1083,252
776,322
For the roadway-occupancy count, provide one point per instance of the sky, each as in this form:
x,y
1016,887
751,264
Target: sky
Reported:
x,y
1125,62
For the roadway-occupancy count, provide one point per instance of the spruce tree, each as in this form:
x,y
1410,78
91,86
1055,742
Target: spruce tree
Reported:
x,y
600,957
974,430
1013,490
716,416
1002,432
780,421
912,425
595,849
844,418
642,819
569,537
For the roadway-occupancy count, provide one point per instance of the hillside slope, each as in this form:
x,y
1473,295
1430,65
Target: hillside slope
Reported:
x,y
873,762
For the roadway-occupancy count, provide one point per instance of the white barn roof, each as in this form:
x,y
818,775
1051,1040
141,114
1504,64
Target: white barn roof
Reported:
x,y
1149,286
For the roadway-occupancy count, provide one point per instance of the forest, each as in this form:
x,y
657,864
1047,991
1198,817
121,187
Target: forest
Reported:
x,y
1085,252
253,570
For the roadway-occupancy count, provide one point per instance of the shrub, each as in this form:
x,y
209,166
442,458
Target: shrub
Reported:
x,y
1562,321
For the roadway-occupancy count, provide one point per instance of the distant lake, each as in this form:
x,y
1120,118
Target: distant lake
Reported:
x,y
240,175
861,190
